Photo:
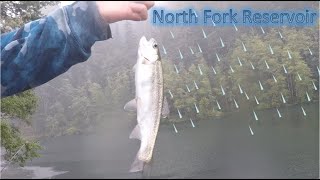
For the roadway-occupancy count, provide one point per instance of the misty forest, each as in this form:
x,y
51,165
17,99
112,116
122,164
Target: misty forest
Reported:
x,y
209,72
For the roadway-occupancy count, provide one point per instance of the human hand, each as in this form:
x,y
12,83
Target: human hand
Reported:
x,y
113,11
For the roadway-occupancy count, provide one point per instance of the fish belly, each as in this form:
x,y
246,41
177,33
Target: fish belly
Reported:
x,y
150,96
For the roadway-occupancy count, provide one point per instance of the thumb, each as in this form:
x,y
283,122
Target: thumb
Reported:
x,y
148,4
138,11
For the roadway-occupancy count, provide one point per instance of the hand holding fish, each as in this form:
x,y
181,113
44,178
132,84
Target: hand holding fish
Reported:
x,y
113,11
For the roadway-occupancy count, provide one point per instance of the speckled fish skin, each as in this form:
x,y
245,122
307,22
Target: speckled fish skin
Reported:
x,y
148,100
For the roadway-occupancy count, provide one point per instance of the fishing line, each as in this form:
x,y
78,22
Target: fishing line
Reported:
x,y
144,26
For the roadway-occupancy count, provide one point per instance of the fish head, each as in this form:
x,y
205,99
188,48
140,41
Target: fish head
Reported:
x,y
148,51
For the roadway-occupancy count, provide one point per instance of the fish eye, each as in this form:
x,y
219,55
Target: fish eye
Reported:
x,y
155,45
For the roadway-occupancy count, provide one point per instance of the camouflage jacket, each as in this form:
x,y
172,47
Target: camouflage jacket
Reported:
x,y
45,48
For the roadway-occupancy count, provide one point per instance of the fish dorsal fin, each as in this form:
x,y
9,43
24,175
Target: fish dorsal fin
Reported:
x,y
165,108
135,134
131,106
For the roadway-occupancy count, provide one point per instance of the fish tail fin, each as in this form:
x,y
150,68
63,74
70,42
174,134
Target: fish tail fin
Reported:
x,y
147,169
137,165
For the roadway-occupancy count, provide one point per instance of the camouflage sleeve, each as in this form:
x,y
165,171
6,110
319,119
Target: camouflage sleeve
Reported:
x,y
45,48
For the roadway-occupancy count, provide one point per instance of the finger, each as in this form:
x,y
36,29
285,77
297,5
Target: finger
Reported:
x,y
137,8
144,15
148,4
135,17
138,17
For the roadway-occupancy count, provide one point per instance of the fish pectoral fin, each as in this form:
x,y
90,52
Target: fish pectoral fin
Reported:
x,y
135,134
131,106
165,108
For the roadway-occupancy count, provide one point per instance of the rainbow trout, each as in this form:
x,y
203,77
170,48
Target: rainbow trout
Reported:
x,y
149,102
